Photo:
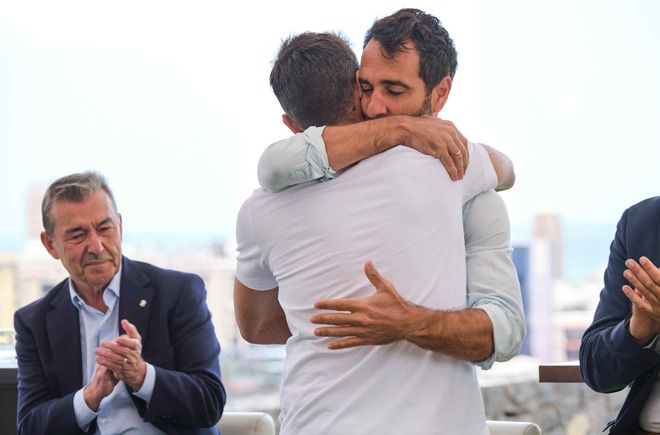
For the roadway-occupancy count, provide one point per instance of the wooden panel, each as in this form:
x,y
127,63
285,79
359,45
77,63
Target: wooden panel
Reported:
x,y
563,372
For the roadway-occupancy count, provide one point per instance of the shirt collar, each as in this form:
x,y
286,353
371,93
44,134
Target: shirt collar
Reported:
x,y
113,286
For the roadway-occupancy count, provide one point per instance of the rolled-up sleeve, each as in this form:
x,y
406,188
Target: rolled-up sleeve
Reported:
x,y
298,159
492,281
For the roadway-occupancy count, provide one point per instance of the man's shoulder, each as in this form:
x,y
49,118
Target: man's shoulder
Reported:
x,y
640,227
648,208
259,195
37,308
156,273
642,218
253,201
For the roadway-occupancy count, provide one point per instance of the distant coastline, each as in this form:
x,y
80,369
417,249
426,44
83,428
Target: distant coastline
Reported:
x,y
586,244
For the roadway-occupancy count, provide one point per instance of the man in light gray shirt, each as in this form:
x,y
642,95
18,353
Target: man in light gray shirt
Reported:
x,y
317,153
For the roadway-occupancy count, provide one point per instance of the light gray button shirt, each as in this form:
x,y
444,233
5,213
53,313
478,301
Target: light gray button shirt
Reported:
x,y
492,281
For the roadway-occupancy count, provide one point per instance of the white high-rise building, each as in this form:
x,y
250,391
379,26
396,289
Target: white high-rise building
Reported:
x,y
547,226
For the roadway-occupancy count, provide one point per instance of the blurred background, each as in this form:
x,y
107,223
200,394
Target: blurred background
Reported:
x,y
171,102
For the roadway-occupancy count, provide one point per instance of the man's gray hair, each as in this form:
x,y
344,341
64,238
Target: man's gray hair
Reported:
x,y
72,188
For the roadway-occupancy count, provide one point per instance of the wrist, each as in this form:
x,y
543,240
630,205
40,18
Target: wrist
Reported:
x,y
91,397
400,130
421,324
642,336
137,383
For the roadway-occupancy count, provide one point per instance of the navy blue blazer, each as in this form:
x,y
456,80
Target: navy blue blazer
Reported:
x,y
610,359
178,339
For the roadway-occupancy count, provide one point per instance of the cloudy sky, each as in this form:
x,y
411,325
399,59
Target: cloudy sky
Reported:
x,y
171,100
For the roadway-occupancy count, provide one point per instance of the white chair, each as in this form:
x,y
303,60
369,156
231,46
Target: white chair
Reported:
x,y
246,423
512,428
259,423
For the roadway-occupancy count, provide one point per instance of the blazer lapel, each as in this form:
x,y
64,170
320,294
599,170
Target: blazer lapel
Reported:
x,y
64,337
136,297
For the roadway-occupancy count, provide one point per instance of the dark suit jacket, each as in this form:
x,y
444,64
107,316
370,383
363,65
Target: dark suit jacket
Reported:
x,y
178,339
610,358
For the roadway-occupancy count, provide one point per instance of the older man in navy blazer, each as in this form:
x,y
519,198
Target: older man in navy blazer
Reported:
x,y
622,345
77,371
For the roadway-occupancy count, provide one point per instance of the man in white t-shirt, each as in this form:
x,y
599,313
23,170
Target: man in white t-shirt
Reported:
x,y
304,245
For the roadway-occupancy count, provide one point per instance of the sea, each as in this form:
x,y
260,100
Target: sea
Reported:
x,y
586,244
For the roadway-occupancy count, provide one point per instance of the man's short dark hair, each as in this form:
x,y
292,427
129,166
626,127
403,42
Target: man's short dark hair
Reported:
x,y
436,49
72,188
313,78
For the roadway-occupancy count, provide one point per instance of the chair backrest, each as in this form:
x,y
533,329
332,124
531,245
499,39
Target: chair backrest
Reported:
x,y
512,428
246,423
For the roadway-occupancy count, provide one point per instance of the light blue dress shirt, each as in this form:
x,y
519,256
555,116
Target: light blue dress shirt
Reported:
x,y
492,281
296,160
117,413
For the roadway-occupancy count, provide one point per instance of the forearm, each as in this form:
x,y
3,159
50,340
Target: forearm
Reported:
x,y
492,280
508,332
53,416
38,408
273,330
188,399
492,285
506,176
259,315
348,144
610,358
320,151
187,387
465,334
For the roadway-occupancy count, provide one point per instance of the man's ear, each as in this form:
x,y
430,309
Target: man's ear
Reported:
x,y
358,88
293,125
48,244
440,94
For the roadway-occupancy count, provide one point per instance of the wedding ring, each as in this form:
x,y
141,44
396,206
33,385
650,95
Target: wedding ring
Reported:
x,y
457,153
125,361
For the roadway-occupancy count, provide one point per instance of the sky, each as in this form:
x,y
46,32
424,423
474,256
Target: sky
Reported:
x,y
171,101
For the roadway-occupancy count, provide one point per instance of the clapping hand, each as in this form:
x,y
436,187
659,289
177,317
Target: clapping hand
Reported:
x,y
645,297
123,356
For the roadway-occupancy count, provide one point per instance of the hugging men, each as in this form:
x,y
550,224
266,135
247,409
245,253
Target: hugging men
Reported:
x,y
401,343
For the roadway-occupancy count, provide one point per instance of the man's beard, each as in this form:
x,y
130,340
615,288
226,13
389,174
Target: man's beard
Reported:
x,y
425,109
426,106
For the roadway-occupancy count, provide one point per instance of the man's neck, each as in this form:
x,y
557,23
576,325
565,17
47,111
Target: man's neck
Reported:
x,y
92,296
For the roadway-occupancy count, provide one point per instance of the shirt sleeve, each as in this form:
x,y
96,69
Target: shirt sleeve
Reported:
x,y
492,281
84,415
251,267
147,388
654,345
298,159
480,174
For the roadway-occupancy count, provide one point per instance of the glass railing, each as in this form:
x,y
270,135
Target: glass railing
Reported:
x,y
7,351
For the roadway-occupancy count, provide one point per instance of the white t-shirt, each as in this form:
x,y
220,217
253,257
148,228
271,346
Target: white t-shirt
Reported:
x,y
401,210
649,417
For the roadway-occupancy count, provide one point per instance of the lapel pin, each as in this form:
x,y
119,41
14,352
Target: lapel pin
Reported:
x,y
143,303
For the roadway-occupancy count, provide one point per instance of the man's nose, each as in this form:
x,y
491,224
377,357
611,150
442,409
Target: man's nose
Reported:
x,y
94,243
376,107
